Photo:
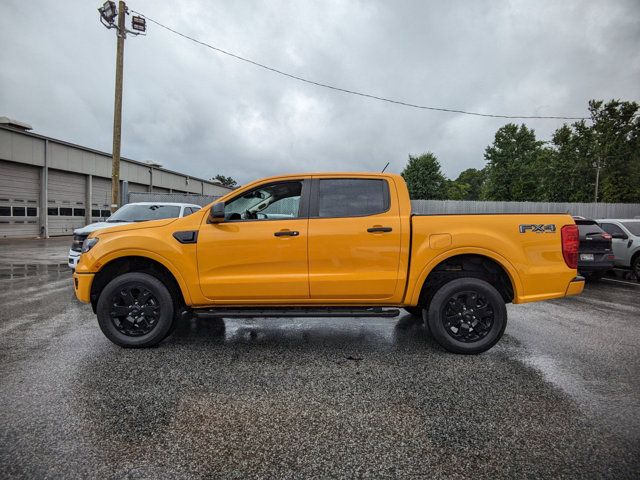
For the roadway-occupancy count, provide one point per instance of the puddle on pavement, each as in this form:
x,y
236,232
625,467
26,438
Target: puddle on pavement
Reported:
x,y
25,270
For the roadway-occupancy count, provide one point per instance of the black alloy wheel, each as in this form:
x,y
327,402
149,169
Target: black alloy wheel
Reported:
x,y
467,316
135,310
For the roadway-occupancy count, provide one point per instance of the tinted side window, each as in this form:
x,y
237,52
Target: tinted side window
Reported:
x,y
611,228
349,197
589,229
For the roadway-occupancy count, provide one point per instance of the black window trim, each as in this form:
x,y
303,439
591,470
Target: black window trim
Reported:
x,y
303,209
315,196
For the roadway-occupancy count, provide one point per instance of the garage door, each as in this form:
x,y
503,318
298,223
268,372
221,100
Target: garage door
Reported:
x,y
100,198
138,187
66,202
19,191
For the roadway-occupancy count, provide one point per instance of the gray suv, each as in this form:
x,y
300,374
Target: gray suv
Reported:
x,y
625,241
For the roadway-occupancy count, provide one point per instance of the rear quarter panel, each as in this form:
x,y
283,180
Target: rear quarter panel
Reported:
x,y
533,261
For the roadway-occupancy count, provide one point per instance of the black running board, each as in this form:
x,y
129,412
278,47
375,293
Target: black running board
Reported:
x,y
295,312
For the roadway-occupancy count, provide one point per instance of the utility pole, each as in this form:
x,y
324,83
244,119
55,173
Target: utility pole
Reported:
x,y
108,14
597,165
117,110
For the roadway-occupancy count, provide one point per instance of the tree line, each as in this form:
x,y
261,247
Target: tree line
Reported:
x,y
520,167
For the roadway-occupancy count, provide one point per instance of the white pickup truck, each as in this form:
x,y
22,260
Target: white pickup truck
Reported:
x,y
130,213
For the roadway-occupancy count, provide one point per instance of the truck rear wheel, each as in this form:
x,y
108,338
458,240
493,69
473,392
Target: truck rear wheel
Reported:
x,y
467,315
135,310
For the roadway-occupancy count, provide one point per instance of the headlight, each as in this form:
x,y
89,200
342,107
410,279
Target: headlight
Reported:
x,y
88,244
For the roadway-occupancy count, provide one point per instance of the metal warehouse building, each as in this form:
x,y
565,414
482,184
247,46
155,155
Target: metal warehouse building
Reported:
x,y
50,187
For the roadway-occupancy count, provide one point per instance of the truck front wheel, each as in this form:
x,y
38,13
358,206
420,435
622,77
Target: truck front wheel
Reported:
x,y
135,310
467,315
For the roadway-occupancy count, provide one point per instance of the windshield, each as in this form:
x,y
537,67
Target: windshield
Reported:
x,y
633,227
142,213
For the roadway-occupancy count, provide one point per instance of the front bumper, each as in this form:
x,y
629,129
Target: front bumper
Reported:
x,y
82,286
576,286
74,258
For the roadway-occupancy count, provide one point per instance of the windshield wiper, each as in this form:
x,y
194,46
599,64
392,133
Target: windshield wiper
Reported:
x,y
117,220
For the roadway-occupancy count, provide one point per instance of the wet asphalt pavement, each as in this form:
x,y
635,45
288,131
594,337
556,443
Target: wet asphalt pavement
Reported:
x,y
559,396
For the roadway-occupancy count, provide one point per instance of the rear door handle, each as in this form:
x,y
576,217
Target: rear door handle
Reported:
x,y
379,229
286,233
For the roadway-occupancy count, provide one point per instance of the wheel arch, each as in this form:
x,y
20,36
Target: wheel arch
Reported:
x,y
468,263
138,263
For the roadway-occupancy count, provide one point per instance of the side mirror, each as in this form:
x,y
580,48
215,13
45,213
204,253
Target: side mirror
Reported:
x,y
620,236
216,213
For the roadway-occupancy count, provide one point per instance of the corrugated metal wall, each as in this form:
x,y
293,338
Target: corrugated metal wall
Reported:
x,y
589,210
19,202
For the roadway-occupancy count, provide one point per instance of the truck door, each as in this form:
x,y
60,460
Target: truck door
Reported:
x,y
354,239
259,253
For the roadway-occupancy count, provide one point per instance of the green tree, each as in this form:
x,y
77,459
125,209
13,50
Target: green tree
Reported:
x,y
457,190
514,163
611,140
226,181
424,178
468,185
568,175
616,134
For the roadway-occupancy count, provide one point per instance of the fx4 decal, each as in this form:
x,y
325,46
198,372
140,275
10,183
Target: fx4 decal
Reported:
x,y
537,228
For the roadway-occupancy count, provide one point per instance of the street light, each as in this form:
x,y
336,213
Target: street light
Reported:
x,y
139,23
108,12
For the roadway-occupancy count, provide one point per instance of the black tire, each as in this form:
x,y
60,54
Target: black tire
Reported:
x,y
635,267
479,327
415,311
146,307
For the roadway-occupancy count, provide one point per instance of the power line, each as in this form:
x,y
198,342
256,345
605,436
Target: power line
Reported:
x,y
353,92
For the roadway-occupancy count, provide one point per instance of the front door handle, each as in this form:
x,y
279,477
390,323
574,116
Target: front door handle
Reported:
x,y
286,233
379,229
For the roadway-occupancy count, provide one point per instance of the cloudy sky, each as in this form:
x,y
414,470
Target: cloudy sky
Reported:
x,y
202,113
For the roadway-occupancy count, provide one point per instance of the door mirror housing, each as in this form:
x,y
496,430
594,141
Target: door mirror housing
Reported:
x,y
216,213
620,236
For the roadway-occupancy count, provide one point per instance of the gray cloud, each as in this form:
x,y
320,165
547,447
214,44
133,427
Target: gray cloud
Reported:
x,y
203,113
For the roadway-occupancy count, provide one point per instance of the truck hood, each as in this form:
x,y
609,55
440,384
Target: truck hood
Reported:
x,y
97,226
126,227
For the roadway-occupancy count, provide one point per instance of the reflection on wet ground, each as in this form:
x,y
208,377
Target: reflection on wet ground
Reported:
x,y
24,270
297,398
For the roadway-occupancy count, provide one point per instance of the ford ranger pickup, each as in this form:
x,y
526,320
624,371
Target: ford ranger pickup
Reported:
x,y
326,245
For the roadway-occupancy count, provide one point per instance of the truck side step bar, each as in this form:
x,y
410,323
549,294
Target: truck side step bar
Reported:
x,y
296,312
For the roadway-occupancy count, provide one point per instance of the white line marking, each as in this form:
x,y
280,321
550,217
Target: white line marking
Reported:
x,y
622,282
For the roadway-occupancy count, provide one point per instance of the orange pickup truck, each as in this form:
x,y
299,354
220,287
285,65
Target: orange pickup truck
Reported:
x,y
330,244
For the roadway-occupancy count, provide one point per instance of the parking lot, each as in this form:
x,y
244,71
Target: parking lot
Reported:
x,y
282,398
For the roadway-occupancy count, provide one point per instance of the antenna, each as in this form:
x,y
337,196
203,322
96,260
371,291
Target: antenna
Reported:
x,y
385,167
